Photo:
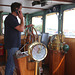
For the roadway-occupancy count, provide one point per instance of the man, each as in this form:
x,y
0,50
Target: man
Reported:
x,y
12,36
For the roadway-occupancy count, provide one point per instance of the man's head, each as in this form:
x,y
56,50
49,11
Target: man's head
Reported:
x,y
15,6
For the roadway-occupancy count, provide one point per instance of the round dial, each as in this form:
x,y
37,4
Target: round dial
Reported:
x,y
38,51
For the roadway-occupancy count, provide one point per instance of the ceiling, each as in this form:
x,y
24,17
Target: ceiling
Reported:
x,y
27,5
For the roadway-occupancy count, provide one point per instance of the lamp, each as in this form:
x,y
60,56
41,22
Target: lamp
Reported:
x,y
42,2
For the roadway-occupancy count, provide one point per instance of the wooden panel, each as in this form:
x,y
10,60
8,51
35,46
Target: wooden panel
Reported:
x,y
70,57
46,60
2,39
22,66
57,63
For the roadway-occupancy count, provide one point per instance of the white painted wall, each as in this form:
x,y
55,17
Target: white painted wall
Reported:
x,y
27,3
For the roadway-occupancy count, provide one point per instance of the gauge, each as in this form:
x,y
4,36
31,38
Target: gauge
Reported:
x,y
38,51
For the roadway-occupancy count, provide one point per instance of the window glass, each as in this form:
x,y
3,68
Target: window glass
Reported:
x,y
37,22
2,26
51,26
69,23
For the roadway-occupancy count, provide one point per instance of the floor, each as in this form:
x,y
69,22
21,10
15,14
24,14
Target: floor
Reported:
x,y
45,70
2,70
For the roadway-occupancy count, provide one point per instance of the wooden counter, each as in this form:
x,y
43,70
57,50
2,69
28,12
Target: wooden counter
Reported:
x,y
2,39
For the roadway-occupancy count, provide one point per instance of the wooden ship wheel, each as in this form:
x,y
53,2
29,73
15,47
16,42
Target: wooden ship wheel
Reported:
x,y
30,37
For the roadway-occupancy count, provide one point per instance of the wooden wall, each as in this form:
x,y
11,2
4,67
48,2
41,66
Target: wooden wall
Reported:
x,y
2,39
70,57
56,63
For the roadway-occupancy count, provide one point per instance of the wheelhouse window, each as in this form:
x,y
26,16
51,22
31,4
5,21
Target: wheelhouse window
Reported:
x,y
51,25
2,26
37,22
69,23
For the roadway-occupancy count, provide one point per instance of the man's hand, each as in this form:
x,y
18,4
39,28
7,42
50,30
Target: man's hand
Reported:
x,y
30,25
20,15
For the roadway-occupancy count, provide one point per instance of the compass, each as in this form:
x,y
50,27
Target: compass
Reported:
x,y
38,51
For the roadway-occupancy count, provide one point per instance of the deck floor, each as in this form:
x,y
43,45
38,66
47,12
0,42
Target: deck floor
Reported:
x,y
45,70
